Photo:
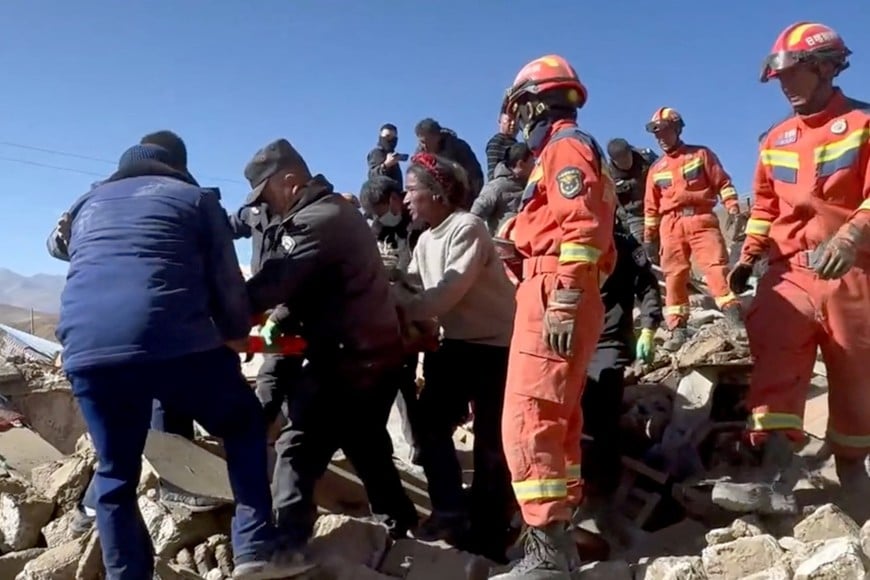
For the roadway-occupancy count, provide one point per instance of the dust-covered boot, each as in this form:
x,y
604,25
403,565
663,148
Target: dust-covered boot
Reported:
x,y
550,554
854,486
766,488
679,336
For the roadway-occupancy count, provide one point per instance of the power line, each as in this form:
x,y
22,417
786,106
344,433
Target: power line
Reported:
x,y
49,166
83,157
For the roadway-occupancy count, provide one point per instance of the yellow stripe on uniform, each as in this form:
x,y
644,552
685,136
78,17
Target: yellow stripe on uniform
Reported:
x,y
865,205
651,221
779,158
692,165
678,310
728,193
537,489
723,300
573,252
856,441
758,227
774,421
836,155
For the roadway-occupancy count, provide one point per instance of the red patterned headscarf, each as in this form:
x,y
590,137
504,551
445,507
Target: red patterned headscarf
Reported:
x,y
430,164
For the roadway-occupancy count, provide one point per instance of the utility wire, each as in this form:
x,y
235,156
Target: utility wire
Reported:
x,y
78,156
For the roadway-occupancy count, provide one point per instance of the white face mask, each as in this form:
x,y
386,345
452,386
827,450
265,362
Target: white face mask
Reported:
x,y
390,219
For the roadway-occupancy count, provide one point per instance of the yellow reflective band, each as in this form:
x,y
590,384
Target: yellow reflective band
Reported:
x,y
856,441
836,149
574,252
536,489
865,205
728,193
651,221
677,310
779,158
692,165
537,174
662,175
573,472
757,227
774,421
723,300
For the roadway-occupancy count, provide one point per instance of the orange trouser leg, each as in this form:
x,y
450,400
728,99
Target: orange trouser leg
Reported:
x,y
782,331
542,423
708,250
675,253
574,432
845,345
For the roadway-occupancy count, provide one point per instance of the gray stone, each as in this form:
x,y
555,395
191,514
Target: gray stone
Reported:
x,y
826,523
23,513
740,558
13,562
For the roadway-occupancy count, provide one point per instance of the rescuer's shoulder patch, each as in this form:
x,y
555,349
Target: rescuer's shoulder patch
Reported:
x,y
288,243
571,182
639,255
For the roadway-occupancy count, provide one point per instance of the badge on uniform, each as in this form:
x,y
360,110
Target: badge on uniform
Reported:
x,y
786,138
839,127
255,210
570,182
640,257
288,243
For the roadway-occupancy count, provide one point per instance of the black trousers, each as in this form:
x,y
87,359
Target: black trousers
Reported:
x,y
457,374
328,411
602,407
275,378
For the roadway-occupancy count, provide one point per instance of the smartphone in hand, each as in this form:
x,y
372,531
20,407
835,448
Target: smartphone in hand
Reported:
x,y
402,156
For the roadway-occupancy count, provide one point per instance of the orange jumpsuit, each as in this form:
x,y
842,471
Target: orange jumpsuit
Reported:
x,y
681,191
565,234
813,177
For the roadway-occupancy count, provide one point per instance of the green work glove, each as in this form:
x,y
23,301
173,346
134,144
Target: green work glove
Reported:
x,y
270,332
646,346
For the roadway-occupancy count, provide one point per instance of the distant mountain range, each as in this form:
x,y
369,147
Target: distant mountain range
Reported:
x,y
40,292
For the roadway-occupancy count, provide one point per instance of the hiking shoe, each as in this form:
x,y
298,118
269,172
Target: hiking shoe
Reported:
x,y
550,554
679,336
450,528
81,523
281,565
767,488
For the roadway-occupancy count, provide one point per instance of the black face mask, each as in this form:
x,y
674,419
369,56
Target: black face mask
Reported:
x,y
388,143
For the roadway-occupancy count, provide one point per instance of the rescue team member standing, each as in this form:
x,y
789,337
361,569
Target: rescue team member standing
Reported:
x,y
681,191
465,287
329,273
565,232
632,281
811,216
150,244
629,167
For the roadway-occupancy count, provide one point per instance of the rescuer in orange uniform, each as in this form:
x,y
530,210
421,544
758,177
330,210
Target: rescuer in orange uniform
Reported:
x,y
564,232
682,188
812,217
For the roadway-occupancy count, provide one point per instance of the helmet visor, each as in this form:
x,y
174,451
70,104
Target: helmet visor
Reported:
x,y
656,126
779,61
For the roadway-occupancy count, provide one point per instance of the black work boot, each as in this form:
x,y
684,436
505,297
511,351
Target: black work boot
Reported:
x,y
679,336
550,554
766,488
733,314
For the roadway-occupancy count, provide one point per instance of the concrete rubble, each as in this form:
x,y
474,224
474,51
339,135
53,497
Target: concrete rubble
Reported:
x,y
681,417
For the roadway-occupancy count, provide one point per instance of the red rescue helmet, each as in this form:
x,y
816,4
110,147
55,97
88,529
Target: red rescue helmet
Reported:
x,y
805,42
545,75
665,117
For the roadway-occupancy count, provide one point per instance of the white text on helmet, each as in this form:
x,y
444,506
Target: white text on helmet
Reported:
x,y
821,38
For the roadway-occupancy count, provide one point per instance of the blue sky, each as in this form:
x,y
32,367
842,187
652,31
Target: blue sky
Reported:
x,y
90,78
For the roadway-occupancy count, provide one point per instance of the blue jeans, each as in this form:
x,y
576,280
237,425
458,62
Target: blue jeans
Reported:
x,y
161,420
117,404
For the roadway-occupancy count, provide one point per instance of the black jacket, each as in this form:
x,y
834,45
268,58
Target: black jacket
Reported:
x,y
375,160
631,184
255,222
633,279
455,149
324,265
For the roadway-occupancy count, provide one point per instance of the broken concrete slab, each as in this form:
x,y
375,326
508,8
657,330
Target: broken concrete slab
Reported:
x,y
415,560
672,568
187,467
355,541
13,562
23,513
174,528
63,481
838,559
740,558
24,449
745,527
826,523
91,563
775,573
164,570
52,412
58,532
59,563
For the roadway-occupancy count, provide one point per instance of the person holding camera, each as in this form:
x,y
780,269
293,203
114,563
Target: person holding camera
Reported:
x,y
629,166
383,159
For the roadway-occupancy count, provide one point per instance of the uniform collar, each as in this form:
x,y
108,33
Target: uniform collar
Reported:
x,y
316,189
835,107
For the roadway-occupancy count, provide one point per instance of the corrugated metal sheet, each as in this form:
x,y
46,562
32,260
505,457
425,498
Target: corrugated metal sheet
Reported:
x,y
15,341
